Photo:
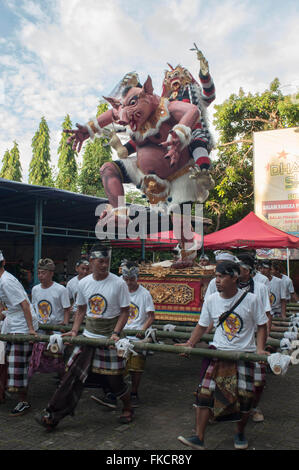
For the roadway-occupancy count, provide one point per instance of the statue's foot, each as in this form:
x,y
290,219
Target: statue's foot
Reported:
x,y
117,215
183,263
203,177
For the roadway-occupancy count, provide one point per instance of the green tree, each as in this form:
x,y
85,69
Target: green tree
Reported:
x,y
40,172
236,119
11,164
67,165
96,153
136,197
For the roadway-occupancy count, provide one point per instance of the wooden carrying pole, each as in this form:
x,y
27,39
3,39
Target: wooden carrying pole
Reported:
x,y
159,334
140,346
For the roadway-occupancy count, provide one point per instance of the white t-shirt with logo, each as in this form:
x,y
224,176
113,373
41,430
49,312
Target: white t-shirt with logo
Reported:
x,y
211,289
237,332
12,293
141,303
50,303
72,288
103,299
288,285
277,292
259,277
261,290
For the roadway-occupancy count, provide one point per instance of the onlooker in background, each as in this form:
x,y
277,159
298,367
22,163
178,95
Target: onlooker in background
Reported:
x,y
277,291
82,269
277,272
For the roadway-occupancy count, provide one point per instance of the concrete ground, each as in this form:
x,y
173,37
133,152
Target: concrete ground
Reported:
x,y
166,411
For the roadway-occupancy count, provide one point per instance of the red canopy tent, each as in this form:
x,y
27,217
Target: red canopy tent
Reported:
x,y
162,241
250,232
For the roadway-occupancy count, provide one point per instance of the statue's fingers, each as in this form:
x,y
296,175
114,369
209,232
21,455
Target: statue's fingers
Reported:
x,y
80,146
164,144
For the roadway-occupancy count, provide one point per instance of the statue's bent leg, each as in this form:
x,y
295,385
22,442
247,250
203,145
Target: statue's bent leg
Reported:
x,y
112,179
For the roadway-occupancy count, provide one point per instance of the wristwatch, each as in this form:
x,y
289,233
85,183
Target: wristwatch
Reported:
x,y
115,333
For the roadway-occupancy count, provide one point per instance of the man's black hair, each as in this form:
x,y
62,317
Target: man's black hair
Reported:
x,y
228,267
246,259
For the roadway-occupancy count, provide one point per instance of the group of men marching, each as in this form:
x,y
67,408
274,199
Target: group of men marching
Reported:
x,y
238,307
106,302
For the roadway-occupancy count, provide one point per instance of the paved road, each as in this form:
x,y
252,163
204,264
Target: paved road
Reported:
x,y
166,412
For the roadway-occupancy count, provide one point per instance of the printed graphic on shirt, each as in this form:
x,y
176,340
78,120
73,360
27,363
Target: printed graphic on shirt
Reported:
x,y
272,298
232,326
97,305
134,312
44,310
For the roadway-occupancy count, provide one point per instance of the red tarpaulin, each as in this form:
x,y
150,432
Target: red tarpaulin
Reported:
x,y
162,241
250,232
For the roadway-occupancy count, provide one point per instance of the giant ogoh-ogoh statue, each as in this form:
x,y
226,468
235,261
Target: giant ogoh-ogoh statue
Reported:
x,y
161,134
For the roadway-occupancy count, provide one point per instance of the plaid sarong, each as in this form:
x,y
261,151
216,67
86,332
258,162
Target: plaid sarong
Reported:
x,y
135,363
105,361
17,357
228,388
83,360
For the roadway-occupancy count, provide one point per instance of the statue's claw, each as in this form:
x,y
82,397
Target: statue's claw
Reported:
x,y
202,176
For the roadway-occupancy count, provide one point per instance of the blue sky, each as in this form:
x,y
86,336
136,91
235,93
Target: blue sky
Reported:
x,y
60,57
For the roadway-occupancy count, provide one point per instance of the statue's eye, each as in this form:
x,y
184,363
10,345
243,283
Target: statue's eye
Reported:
x,y
133,101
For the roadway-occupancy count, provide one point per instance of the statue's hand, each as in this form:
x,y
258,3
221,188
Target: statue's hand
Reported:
x,y
203,177
204,64
173,145
77,137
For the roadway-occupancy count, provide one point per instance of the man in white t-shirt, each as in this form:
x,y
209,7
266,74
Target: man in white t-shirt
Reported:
x,y
290,291
103,301
82,269
52,305
236,319
278,292
247,281
19,318
141,317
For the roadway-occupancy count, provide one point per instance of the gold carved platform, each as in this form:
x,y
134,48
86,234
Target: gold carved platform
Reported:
x,y
177,293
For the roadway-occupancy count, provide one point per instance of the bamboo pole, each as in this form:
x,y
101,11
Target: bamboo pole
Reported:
x,y
140,346
159,334
279,335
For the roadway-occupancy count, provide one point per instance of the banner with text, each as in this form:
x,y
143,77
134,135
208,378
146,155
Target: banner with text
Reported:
x,y
276,178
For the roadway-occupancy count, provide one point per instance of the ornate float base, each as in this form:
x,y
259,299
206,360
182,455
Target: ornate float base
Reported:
x,y
177,293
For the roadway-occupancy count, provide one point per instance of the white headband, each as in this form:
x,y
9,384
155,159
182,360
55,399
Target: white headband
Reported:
x,y
105,253
225,257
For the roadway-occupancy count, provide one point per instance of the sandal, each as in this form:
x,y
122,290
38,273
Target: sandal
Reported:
x,y
126,419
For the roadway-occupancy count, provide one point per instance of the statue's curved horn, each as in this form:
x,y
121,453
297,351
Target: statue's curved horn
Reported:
x,y
169,65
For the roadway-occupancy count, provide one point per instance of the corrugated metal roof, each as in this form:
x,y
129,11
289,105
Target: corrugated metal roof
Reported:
x,y
60,208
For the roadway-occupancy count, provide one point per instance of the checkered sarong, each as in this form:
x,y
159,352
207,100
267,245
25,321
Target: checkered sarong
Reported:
x,y
228,388
17,357
105,361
